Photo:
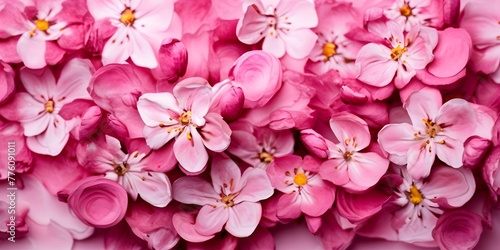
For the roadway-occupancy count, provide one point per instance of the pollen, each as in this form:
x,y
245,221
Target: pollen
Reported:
x,y
266,157
397,52
415,196
405,10
185,118
228,199
127,17
348,155
120,169
329,50
431,128
42,25
300,179
49,106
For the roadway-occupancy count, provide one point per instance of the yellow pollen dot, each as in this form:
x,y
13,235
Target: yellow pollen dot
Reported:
x,y
405,10
185,118
329,50
121,169
42,25
228,199
127,17
348,156
397,52
266,157
415,196
431,128
300,179
49,106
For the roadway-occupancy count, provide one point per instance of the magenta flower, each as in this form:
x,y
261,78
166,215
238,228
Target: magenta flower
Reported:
x,y
38,109
346,165
231,200
186,116
458,229
304,190
140,28
284,25
399,57
435,130
132,171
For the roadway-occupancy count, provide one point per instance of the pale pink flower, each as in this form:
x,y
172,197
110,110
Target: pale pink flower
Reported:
x,y
259,146
436,130
303,189
346,165
132,170
422,201
399,57
481,22
186,116
141,25
231,201
284,25
38,109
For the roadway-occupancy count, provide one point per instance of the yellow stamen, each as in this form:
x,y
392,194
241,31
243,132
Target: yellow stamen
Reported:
x,y
266,157
185,118
432,128
42,25
405,10
397,52
415,195
127,17
329,50
228,199
300,179
121,169
49,106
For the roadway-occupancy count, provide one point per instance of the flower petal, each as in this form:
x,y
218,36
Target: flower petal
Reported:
x,y
194,190
243,219
210,220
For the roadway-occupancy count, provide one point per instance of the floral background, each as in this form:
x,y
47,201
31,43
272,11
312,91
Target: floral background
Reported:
x,y
249,124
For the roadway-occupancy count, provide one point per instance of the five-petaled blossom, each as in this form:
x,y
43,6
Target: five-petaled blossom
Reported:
x,y
303,189
140,26
435,130
232,199
105,156
346,165
38,108
284,25
399,57
187,116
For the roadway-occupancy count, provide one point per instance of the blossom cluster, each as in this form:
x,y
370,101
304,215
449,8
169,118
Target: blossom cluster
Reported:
x,y
250,124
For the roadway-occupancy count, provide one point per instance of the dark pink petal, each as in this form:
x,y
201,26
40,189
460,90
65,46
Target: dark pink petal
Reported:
x,y
184,224
194,190
7,82
260,239
456,186
359,207
243,219
315,143
476,150
173,59
458,229
452,52
313,223
210,220
231,104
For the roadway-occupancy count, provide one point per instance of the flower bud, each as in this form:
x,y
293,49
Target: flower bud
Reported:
x,y
90,121
173,59
475,149
231,104
314,143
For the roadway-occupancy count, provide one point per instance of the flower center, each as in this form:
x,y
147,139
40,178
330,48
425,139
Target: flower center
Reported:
x,y
42,25
127,17
121,169
228,199
432,128
397,52
266,157
185,118
415,196
405,10
329,50
49,106
348,155
300,179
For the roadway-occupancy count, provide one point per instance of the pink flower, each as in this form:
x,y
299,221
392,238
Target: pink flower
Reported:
x,y
7,84
481,21
97,201
284,25
399,57
346,165
422,201
38,109
303,189
258,74
259,146
173,59
140,28
231,200
131,170
186,116
458,229
436,130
